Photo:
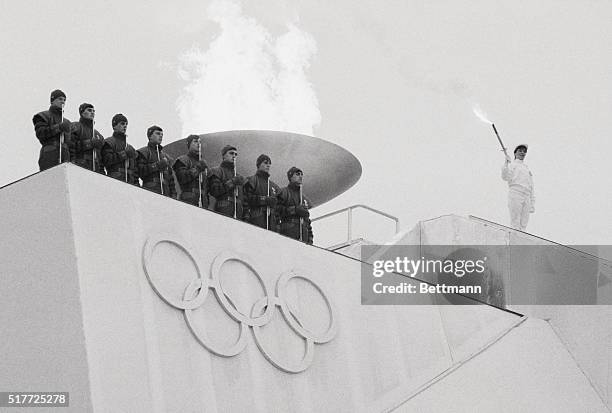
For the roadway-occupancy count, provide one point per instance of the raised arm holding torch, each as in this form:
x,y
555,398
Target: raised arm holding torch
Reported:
x,y
480,115
521,198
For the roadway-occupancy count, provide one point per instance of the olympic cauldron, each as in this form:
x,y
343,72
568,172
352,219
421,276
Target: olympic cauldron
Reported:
x,y
329,169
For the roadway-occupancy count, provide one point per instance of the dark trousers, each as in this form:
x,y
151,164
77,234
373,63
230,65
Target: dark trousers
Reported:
x,y
49,156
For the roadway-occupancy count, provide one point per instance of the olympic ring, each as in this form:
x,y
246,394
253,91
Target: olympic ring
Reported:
x,y
197,290
223,299
147,252
281,285
304,363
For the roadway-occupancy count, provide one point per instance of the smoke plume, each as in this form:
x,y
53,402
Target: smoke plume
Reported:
x,y
248,78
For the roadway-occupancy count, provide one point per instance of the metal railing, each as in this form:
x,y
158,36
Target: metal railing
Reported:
x,y
349,210
510,229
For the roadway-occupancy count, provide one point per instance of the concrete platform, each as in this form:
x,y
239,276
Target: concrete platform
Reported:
x,y
134,302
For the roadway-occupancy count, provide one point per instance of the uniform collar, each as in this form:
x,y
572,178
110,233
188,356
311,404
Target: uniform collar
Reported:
x,y
55,109
86,122
227,164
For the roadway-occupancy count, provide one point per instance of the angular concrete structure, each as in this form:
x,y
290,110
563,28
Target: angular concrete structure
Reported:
x,y
584,330
134,302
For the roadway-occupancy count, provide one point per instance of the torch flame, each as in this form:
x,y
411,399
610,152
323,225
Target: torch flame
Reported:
x,y
481,115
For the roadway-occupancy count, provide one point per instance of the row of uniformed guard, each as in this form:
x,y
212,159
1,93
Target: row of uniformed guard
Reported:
x,y
256,199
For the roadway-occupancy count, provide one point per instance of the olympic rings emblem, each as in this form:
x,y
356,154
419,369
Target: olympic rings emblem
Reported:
x,y
197,291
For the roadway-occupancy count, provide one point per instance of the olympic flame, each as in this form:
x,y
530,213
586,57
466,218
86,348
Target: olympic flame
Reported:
x,y
481,115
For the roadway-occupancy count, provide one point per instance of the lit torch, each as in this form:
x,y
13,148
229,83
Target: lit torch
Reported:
x,y
479,113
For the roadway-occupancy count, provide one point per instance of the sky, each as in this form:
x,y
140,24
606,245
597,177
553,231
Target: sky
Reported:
x,y
393,82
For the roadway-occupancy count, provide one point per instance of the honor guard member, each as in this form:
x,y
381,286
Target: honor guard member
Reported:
x,y
86,142
293,208
154,165
521,197
190,172
226,185
117,153
51,127
260,193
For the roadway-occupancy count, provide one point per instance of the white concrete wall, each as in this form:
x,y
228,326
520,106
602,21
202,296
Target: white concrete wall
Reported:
x,y
513,384
42,342
379,354
107,337
586,331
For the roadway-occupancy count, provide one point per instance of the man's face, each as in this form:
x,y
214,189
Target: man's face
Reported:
x,y
264,166
194,146
297,177
520,153
230,155
121,127
89,113
156,137
59,102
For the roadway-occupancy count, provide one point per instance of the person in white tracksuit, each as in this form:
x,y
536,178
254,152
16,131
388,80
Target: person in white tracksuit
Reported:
x,y
521,197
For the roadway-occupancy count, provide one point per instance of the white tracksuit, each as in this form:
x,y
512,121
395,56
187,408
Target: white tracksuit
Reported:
x,y
521,197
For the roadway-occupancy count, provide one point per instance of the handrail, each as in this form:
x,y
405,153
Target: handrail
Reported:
x,y
350,209
507,228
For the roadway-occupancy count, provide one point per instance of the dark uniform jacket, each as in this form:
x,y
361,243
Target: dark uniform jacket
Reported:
x,y
256,191
188,177
114,159
225,193
149,170
85,146
288,200
47,128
